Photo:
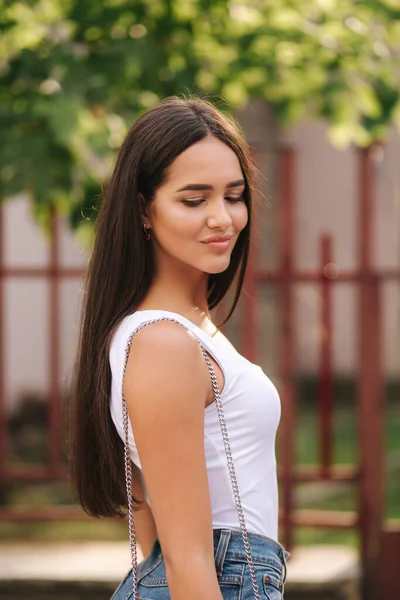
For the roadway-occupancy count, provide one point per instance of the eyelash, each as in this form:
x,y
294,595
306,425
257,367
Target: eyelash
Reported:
x,y
231,200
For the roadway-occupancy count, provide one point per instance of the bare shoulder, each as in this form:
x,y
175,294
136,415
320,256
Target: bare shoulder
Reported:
x,y
166,352
165,333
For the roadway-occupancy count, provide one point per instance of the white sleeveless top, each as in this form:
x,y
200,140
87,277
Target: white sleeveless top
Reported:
x,y
252,411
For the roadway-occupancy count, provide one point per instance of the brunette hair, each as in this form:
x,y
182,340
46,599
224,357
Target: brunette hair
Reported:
x,y
120,272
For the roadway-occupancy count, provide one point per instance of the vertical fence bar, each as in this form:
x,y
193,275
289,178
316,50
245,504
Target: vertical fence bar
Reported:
x,y
3,417
326,378
370,388
287,391
54,352
249,329
390,560
249,341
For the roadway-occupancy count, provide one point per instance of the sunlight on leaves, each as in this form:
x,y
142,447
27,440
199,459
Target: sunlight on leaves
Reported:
x,y
75,74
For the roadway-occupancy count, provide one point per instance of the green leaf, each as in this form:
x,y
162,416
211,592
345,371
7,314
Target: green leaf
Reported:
x,y
74,73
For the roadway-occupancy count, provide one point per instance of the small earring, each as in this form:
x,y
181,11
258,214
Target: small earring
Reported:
x,y
147,235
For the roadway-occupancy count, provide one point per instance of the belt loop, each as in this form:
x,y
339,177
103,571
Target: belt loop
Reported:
x,y
285,556
221,549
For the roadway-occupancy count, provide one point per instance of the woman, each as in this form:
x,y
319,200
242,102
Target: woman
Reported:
x,y
173,237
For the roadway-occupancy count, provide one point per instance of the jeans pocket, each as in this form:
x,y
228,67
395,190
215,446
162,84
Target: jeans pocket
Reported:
x,y
230,581
272,586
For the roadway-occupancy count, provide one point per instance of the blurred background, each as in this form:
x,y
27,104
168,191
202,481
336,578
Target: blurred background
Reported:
x,y
315,87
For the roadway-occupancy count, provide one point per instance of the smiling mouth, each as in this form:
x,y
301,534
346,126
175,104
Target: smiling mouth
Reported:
x,y
218,238
221,244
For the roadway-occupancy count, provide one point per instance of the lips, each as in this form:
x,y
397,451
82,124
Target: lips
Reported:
x,y
218,239
219,243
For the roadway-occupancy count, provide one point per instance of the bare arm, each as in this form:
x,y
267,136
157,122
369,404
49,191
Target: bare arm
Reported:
x,y
146,531
166,386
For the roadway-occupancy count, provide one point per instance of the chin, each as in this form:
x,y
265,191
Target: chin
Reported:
x,y
217,268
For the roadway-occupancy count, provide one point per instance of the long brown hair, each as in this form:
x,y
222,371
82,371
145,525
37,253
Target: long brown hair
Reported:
x,y
119,275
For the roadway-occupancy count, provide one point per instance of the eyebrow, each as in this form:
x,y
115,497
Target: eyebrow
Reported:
x,y
205,186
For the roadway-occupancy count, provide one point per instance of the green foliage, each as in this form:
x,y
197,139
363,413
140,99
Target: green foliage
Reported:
x,y
75,73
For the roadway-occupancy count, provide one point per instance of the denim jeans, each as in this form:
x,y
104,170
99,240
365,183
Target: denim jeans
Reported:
x,y
231,565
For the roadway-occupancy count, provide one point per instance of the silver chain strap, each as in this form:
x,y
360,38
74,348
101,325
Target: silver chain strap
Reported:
x,y
231,468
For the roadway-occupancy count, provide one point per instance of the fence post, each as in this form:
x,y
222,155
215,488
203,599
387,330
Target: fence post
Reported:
x,y
325,393
250,289
287,388
390,560
3,416
370,389
55,409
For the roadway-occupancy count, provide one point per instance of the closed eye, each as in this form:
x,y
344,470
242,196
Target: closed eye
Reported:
x,y
192,202
234,199
230,199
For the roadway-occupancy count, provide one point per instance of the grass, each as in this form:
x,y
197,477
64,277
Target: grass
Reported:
x,y
343,497
305,536
345,452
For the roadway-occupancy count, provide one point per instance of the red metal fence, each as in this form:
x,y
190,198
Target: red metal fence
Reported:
x,y
367,475
53,274
377,545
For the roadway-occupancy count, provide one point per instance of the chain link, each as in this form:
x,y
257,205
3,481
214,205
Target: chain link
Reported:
x,y
228,452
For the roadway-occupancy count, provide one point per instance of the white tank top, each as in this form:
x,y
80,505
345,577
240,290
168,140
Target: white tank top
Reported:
x,y
252,411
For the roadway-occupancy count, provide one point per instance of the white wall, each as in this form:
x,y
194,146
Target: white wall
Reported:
x,y
26,303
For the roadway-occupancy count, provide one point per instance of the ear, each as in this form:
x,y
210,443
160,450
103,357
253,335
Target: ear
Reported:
x,y
143,212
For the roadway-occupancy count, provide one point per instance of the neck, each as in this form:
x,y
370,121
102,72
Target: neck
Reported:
x,y
183,291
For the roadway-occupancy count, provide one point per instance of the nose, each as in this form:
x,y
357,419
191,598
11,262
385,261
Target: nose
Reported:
x,y
219,216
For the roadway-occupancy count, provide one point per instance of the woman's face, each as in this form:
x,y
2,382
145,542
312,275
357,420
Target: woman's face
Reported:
x,y
202,199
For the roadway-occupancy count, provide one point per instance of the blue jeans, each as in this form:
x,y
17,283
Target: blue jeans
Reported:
x,y
231,566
